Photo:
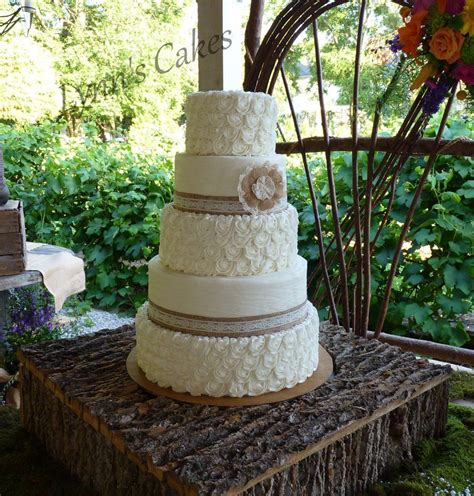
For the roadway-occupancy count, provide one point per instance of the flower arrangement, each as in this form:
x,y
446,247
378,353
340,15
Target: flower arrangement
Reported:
x,y
438,35
31,320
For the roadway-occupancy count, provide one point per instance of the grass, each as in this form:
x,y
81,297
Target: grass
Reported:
x,y
441,467
461,386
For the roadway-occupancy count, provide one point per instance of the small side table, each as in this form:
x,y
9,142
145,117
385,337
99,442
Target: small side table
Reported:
x,y
61,272
26,278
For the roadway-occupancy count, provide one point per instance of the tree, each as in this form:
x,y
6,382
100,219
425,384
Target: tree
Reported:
x,y
103,53
29,90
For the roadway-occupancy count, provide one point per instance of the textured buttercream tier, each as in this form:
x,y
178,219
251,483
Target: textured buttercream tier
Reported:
x,y
218,175
237,367
228,245
227,297
230,123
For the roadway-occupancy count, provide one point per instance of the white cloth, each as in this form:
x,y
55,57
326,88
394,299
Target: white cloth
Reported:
x,y
63,272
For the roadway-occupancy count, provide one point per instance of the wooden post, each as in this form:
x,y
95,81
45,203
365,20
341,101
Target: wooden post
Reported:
x,y
4,193
219,28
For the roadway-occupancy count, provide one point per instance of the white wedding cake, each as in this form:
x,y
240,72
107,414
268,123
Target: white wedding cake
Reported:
x,y
228,313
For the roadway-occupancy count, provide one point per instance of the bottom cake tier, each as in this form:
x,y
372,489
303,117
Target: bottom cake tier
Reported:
x,y
223,366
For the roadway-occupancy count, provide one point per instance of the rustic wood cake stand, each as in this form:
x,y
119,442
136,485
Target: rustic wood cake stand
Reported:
x,y
317,379
78,398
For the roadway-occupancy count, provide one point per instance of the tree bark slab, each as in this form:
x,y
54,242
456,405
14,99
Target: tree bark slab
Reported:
x,y
78,399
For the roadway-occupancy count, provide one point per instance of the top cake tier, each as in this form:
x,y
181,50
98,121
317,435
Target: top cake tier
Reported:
x,y
231,123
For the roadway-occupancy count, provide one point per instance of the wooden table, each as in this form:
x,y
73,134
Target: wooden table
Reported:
x,y
78,399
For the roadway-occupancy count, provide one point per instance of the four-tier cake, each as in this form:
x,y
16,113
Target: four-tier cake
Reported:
x,y
228,313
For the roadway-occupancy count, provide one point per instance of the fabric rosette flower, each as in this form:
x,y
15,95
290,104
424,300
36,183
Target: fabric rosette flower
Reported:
x,y
261,189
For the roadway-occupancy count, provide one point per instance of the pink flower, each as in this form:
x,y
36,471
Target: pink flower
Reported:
x,y
464,72
423,5
454,7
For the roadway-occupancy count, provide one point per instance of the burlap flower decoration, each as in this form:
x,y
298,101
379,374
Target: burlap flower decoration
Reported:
x,y
262,189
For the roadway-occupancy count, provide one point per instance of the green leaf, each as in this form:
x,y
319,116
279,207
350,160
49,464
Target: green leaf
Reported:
x,y
437,262
462,167
415,279
418,312
449,222
99,254
424,236
103,280
72,183
467,190
53,184
452,305
450,196
458,336
457,278
432,327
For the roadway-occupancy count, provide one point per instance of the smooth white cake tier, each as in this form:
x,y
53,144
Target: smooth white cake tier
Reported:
x,y
227,297
227,366
217,176
228,245
230,123
225,185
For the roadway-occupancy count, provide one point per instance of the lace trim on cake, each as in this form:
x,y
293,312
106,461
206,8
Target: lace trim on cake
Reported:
x,y
217,205
228,327
226,366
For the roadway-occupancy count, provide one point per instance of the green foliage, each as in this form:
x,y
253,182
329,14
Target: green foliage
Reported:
x,y
434,283
99,199
441,466
29,90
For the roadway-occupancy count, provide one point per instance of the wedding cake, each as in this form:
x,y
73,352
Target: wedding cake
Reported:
x,y
227,311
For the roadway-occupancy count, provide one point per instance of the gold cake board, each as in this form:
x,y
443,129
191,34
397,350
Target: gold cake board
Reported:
x,y
319,377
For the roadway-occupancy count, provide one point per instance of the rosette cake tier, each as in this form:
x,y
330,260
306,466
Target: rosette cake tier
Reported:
x,y
228,313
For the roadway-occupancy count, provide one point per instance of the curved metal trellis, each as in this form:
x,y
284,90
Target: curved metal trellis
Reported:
x,y
352,246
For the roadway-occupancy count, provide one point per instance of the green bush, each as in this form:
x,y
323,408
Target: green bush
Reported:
x,y
99,199
434,282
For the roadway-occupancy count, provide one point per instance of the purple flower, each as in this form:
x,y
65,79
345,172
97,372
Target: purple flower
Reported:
x,y
455,7
395,44
423,5
435,96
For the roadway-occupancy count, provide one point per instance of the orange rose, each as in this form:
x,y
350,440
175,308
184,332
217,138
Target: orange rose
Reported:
x,y
446,44
411,33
